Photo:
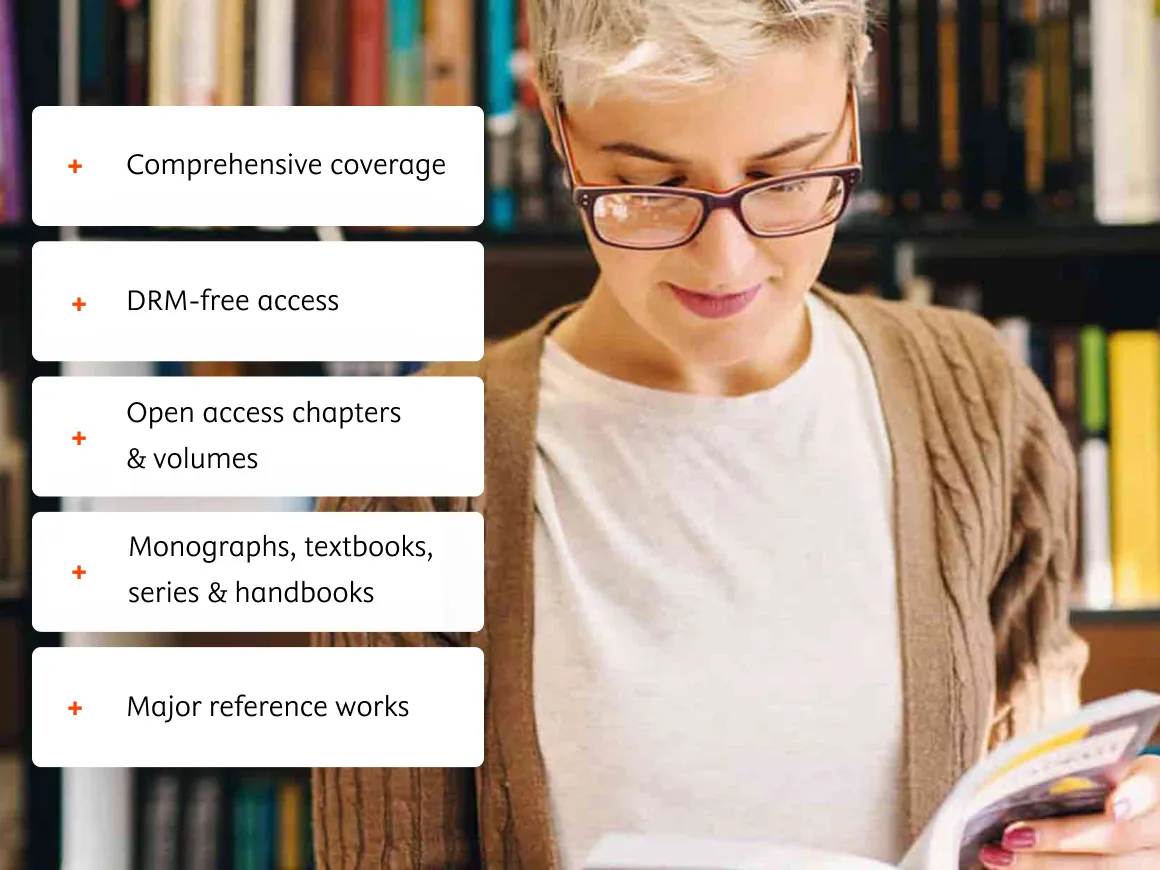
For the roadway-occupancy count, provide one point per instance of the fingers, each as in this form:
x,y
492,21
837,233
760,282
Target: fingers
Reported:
x,y
1127,833
1138,793
994,857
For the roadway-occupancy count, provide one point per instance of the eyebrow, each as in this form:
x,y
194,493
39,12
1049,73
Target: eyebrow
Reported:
x,y
631,149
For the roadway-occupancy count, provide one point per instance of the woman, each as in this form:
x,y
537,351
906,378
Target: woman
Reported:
x,y
794,560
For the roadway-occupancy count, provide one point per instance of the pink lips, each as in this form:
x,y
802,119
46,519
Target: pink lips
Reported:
x,y
713,305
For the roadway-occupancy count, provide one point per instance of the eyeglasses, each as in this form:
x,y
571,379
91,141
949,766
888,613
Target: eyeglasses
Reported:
x,y
647,217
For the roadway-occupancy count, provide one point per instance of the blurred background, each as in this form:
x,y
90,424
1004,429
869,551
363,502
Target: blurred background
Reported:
x,y
1013,169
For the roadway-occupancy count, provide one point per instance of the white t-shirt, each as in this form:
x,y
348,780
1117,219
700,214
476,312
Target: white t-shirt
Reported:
x,y
716,632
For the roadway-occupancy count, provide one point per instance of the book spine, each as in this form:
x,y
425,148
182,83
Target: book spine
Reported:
x,y
231,72
113,79
1065,380
1095,544
93,45
406,73
1020,46
1035,106
203,824
1060,186
163,85
274,53
1125,93
450,52
1081,118
136,53
199,65
162,813
950,155
501,117
930,93
367,50
1134,417
319,61
1095,499
993,130
11,138
291,833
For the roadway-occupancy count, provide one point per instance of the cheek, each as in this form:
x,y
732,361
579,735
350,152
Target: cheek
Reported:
x,y
630,275
799,259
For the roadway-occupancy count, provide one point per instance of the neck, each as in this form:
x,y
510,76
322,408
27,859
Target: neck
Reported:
x,y
601,335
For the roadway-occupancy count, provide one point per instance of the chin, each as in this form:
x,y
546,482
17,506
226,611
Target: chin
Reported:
x,y
720,345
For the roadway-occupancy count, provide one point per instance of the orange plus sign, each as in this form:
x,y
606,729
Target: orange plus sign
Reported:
x,y
79,572
78,438
75,707
74,166
79,304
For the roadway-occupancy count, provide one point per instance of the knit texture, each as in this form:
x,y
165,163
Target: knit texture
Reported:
x,y
985,532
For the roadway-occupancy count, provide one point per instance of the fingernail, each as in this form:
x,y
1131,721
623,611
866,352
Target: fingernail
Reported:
x,y
1020,836
1121,809
993,856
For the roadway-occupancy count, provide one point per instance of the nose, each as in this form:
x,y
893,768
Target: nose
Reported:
x,y
724,248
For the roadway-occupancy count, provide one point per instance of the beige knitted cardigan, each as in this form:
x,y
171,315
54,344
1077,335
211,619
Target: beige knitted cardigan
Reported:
x,y
985,531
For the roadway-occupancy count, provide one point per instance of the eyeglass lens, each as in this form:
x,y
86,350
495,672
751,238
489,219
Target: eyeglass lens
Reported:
x,y
648,219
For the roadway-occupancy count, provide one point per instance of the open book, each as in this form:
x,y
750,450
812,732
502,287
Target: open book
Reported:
x,y
1068,768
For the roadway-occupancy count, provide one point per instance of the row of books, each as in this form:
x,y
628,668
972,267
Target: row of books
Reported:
x,y
1025,106
13,492
222,820
11,120
12,814
1106,389
991,106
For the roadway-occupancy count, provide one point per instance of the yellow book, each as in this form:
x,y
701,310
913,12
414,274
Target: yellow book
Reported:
x,y
1134,434
231,52
291,817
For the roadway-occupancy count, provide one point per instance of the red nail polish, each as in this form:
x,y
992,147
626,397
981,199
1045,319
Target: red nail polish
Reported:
x,y
993,856
1020,837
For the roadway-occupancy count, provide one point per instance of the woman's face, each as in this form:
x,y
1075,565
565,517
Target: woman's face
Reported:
x,y
792,104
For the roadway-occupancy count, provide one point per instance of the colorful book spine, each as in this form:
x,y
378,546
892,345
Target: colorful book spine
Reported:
x,y
406,58
1134,425
11,136
1094,490
367,46
450,52
500,110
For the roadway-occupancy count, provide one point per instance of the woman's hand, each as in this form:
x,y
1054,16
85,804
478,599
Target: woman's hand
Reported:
x,y
1125,837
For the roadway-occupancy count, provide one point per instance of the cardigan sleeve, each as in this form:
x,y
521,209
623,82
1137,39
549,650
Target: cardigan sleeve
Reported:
x,y
379,818
1039,658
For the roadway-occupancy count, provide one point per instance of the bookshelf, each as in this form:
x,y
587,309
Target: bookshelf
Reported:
x,y
1047,266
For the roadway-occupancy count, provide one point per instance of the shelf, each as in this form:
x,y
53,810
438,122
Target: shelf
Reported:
x,y
13,608
1142,615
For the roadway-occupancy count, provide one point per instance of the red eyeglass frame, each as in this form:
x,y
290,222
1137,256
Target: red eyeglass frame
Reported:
x,y
585,196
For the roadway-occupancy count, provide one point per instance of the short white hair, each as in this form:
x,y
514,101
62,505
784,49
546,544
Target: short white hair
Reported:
x,y
648,47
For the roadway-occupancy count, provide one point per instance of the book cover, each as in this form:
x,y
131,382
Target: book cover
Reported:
x,y
1067,768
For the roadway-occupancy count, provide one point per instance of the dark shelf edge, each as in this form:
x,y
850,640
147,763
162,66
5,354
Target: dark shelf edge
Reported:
x,y
1091,616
